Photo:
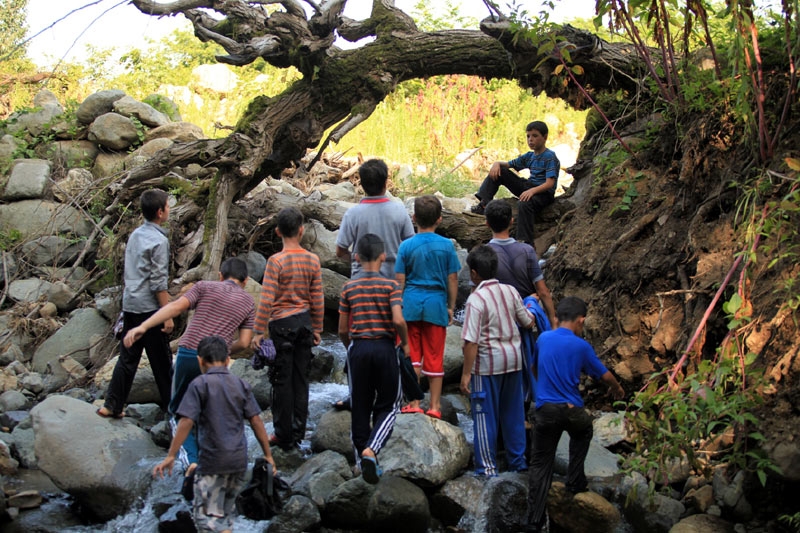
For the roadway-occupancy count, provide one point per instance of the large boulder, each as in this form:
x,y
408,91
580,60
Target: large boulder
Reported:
x,y
645,512
393,505
177,131
46,111
102,463
73,185
332,283
28,290
72,338
28,179
258,380
501,507
458,497
51,250
318,240
33,218
600,463
74,153
130,107
326,465
106,165
585,511
299,514
703,523
97,104
113,131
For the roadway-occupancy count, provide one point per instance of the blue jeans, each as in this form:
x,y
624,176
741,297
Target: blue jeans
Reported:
x,y
186,369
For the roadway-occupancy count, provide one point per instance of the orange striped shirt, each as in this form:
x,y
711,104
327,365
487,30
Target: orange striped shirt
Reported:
x,y
292,284
369,300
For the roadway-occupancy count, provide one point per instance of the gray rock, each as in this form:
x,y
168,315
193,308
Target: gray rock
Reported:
x,y
161,434
23,447
324,462
77,181
144,388
28,179
105,467
107,165
600,463
457,497
322,485
344,191
51,250
287,189
164,105
256,264
148,414
786,456
72,338
74,153
13,401
8,147
8,263
332,283
74,278
113,131
8,465
425,450
33,218
258,380
319,240
333,433
730,495
502,505
398,505
97,104
130,107
28,290
657,513
321,367
150,148
453,353
32,382
109,302
11,419
37,120
702,523
609,429
586,511
177,131
62,296
9,355
299,514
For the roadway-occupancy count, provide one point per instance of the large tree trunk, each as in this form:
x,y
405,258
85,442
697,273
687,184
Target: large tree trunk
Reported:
x,y
341,88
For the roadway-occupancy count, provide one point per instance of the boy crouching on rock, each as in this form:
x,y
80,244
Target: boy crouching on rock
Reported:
x,y
218,402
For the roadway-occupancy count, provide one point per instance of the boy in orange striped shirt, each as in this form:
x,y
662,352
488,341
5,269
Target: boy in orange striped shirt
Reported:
x,y
290,312
370,318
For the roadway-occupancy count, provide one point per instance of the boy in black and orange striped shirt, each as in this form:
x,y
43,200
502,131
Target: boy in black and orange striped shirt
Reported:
x,y
370,319
291,311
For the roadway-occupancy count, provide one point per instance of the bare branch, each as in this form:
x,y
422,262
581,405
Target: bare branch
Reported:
x,y
151,7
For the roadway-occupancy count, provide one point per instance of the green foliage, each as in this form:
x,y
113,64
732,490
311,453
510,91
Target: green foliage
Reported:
x,y
9,239
440,15
436,178
630,193
791,520
13,27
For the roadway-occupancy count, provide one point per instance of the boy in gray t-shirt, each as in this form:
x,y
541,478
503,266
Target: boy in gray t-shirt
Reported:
x,y
377,214
218,402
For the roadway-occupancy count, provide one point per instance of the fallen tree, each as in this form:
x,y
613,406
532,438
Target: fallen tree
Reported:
x,y
341,88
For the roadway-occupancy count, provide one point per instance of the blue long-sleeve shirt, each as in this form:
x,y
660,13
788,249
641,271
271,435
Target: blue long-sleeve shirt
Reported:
x,y
146,268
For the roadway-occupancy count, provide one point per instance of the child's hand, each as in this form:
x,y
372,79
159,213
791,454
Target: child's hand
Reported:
x,y
406,349
317,339
169,325
132,336
167,463
271,460
526,195
465,383
494,170
256,342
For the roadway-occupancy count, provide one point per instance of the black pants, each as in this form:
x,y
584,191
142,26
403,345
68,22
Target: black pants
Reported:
x,y
550,421
527,210
375,392
293,337
156,344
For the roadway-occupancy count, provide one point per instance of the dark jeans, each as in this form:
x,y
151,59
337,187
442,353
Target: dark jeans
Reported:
x,y
293,337
527,210
550,421
374,377
156,344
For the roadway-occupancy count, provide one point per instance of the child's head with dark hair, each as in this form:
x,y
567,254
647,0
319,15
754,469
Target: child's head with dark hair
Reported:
x,y
539,126
483,260
212,349
570,309
373,174
498,215
290,220
427,210
369,248
151,201
233,268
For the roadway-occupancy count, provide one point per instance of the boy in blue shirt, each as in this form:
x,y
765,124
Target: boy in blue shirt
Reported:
x,y
218,402
427,270
534,193
562,355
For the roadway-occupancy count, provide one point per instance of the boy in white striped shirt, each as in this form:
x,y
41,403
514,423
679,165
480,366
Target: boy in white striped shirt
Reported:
x,y
492,373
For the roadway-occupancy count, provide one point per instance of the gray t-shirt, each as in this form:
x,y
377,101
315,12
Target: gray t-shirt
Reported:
x,y
146,268
219,402
379,215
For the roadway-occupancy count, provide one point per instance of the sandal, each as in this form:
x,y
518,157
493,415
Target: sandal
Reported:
x,y
370,470
407,409
434,414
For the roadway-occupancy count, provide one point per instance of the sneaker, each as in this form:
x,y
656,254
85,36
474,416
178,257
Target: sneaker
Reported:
x,y
478,209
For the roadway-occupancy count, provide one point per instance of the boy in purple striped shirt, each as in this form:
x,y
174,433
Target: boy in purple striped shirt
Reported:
x,y
492,372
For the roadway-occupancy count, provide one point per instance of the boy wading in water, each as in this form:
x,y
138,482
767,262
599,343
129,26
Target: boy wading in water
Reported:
x,y
219,403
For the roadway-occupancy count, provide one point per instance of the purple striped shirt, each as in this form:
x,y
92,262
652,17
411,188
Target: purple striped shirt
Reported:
x,y
221,308
492,314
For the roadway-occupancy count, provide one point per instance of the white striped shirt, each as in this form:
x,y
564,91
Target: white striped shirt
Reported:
x,y
492,314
